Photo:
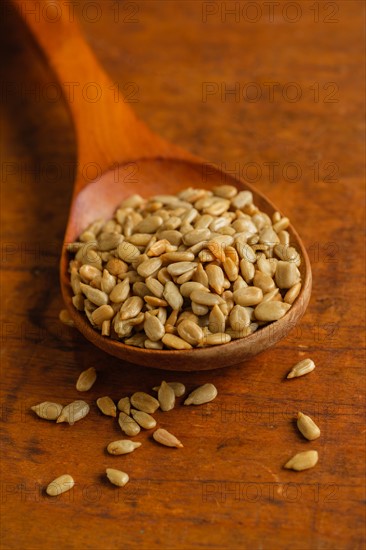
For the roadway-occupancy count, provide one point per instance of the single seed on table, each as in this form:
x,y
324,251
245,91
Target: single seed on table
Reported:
x,y
117,477
144,402
190,331
65,318
73,412
86,379
201,395
107,406
307,426
128,424
303,367
124,405
174,342
60,485
144,419
166,397
302,461
122,447
48,410
178,388
271,311
166,438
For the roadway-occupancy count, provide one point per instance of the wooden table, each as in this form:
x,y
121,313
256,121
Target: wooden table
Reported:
x,y
293,127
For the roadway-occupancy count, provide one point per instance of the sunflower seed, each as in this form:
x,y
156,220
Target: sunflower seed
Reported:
x,y
302,461
287,274
190,332
307,427
86,379
292,293
122,446
144,419
117,477
73,412
124,405
203,394
144,402
65,318
303,367
60,485
174,342
131,308
166,397
172,295
249,296
107,406
48,410
166,438
153,328
128,424
271,311
178,388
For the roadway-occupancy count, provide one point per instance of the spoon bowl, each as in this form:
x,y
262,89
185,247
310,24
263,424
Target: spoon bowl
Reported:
x,y
130,158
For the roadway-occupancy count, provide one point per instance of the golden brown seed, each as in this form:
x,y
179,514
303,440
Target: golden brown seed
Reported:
x,y
166,397
205,298
271,311
124,405
166,438
190,332
172,295
127,252
47,410
174,342
264,282
249,296
292,294
65,318
215,278
128,424
216,320
143,419
107,406
239,318
120,291
144,402
302,461
117,477
307,427
131,308
153,327
73,412
101,314
287,274
60,485
203,394
122,446
96,296
300,369
216,339
86,379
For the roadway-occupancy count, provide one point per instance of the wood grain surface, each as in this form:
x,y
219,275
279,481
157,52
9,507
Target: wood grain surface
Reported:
x,y
294,128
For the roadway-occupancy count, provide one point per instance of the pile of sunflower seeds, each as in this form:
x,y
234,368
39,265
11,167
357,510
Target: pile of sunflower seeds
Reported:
x,y
195,269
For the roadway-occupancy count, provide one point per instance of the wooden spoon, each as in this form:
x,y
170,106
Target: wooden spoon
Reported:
x,y
126,158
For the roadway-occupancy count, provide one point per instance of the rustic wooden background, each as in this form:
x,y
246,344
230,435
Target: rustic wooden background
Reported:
x,y
295,130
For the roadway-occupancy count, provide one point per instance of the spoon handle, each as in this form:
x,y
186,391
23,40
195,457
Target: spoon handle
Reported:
x,y
107,130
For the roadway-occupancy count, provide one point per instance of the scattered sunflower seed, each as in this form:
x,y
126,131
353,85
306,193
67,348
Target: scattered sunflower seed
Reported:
x,y
144,402
124,405
302,461
107,406
73,412
303,367
166,438
60,485
86,379
201,395
65,318
178,388
117,477
48,410
166,397
122,446
143,419
128,424
307,427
